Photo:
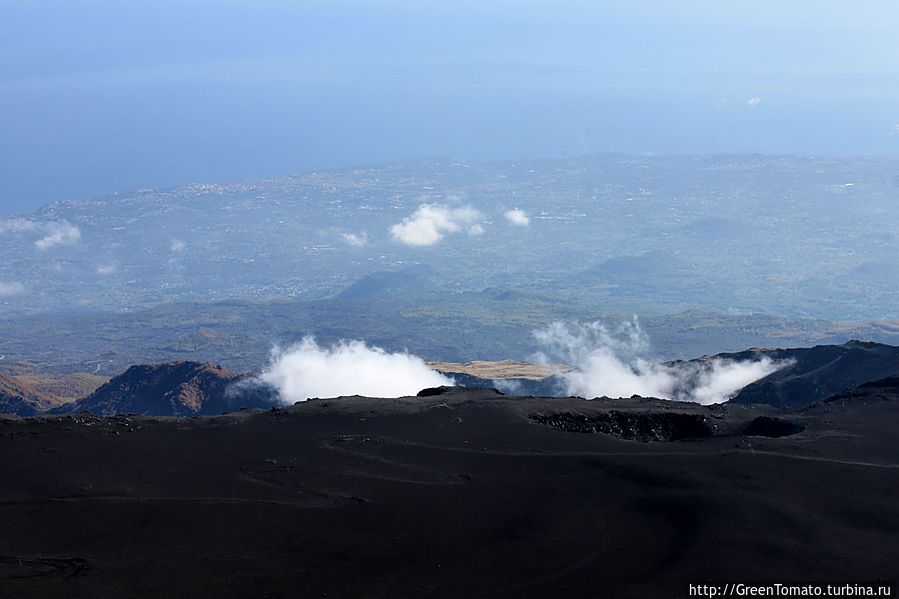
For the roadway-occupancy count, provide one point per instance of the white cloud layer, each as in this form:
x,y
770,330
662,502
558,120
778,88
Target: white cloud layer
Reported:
x,y
431,222
608,363
347,368
518,217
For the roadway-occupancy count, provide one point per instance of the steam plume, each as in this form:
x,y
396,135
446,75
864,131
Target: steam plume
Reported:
x,y
347,368
609,363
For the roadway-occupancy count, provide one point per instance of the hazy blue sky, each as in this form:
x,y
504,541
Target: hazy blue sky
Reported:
x,y
97,96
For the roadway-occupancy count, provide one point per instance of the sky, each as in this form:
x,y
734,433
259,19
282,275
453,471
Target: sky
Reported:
x,y
99,96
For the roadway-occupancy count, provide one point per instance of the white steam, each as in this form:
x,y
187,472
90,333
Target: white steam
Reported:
x,y
430,222
609,363
517,217
722,379
347,368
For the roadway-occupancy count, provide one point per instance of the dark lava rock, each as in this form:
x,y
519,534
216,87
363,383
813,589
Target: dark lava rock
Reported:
x,y
647,426
446,390
766,426
434,391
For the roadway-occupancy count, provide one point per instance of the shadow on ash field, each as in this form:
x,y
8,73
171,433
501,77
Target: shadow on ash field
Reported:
x,y
463,493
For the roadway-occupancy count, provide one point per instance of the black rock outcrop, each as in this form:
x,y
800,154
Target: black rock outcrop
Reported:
x,y
639,426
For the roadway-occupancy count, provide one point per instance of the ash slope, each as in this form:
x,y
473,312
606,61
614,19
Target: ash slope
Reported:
x,y
461,493
816,373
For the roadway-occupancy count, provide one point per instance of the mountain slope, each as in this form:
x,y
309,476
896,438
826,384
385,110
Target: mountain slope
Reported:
x,y
170,389
18,398
817,373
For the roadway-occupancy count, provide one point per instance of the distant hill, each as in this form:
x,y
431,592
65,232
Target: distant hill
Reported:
x,y
18,398
646,267
408,284
172,389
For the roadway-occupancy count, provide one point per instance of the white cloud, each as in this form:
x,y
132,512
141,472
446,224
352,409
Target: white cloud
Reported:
x,y
10,288
430,222
753,102
356,240
106,269
518,217
58,233
347,368
894,130
54,232
475,230
177,245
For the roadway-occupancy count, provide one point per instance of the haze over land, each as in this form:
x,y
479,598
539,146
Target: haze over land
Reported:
x,y
98,96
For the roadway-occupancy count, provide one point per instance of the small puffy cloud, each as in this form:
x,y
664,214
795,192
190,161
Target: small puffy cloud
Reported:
x,y
475,230
894,130
10,288
517,217
58,233
430,222
177,245
753,102
356,240
106,269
